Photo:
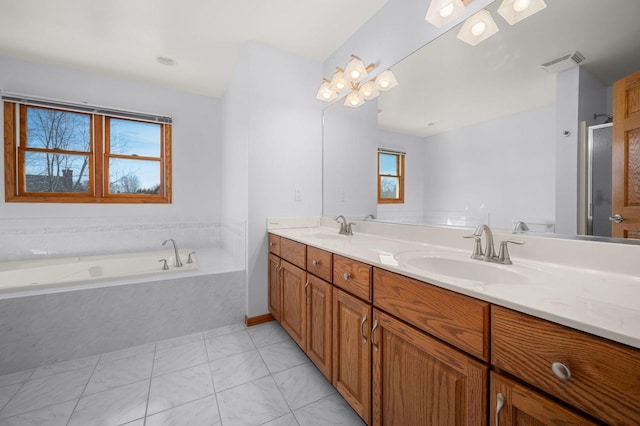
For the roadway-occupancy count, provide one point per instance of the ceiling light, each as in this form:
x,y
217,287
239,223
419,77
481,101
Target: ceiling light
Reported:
x,y
514,11
386,81
164,60
355,70
442,12
338,82
478,28
354,100
326,92
369,90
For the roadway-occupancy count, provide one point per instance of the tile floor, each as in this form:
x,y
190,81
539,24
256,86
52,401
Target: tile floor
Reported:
x,y
231,375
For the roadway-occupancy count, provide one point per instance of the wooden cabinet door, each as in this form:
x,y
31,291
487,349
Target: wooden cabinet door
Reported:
x,y
294,305
352,351
626,156
516,405
418,380
319,308
275,287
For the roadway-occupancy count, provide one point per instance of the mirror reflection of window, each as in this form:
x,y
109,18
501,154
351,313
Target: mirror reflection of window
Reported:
x,y
390,177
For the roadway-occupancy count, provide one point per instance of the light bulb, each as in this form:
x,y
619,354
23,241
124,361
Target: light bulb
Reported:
x,y
367,92
478,28
340,85
326,94
355,74
446,10
354,101
520,5
384,84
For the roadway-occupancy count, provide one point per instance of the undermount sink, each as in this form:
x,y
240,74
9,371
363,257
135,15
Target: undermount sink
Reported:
x,y
325,236
463,268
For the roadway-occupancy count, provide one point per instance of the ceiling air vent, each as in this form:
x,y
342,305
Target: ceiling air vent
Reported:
x,y
563,63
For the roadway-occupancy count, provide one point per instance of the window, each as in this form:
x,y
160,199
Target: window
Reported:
x,y
390,177
71,156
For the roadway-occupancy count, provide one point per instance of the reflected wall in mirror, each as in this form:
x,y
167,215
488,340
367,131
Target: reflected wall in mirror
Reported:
x,y
490,136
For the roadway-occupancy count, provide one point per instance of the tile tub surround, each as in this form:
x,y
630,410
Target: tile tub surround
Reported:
x,y
590,286
42,329
264,379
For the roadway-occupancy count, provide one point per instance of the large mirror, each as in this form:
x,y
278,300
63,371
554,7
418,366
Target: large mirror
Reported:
x,y
490,136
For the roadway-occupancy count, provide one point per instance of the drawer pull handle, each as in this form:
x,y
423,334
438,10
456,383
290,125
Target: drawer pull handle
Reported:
x,y
561,370
499,406
346,276
315,262
362,323
373,335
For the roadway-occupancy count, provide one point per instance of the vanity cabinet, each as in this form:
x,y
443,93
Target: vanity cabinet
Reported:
x,y
293,314
596,376
419,380
319,294
513,404
352,351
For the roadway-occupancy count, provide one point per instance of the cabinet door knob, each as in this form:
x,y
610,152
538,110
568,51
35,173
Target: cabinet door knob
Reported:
x,y
346,276
373,335
315,262
561,370
362,323
499,406
271,244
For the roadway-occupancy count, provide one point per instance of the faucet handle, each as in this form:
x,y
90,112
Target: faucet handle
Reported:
x,y
165,267
503,254
190,259
477,247
347,229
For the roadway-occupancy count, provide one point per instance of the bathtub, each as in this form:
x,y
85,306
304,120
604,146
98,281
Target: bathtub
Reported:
x,y
69,271
55,310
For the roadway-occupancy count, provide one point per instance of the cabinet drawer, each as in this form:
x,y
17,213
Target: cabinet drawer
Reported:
x,y
319,263
274,244
457,319
353,276
604,376
293,252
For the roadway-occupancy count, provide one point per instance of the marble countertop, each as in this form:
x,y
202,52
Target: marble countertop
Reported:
x,y
605,304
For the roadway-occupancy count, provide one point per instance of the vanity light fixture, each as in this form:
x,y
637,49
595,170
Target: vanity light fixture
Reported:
x,y
514,11
442,12
353,77
478,28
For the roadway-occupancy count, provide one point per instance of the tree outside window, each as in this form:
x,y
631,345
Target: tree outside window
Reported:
x,y
390,177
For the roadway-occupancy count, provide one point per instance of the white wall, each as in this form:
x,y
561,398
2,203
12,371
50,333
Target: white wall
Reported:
x,y
196,146
350,151
412,208
504,168
271,108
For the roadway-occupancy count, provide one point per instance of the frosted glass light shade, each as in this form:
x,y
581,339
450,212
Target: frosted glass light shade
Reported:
x,y
369,90
338,82
442,12
355,70
514,11
478,28
353,100
326,93
386,80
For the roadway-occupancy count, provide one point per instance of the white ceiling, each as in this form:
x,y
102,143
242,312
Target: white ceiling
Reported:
x,y
204,37
449,84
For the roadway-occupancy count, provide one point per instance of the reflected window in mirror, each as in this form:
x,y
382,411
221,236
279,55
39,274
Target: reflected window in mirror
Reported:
x,y
390,177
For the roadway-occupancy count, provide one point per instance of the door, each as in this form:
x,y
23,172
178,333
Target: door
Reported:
x,y
626,157
516,405
319,308
294,305
418,380
599,179
275,287
352,351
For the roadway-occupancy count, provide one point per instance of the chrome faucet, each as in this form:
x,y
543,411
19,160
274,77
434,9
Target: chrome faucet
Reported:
x,y
520,227
345,227
489,253
177,263
369,216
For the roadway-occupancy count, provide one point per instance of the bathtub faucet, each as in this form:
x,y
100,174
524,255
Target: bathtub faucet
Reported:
x,y
178,262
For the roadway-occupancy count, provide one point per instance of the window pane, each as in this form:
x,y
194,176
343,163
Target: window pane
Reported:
x,y
134,176
389,164
48,172
390,187
52,129
134,138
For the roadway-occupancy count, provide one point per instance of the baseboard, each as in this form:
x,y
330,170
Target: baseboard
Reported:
x,y
260,319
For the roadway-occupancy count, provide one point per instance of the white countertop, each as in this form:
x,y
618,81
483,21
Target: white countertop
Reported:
x,y
602,303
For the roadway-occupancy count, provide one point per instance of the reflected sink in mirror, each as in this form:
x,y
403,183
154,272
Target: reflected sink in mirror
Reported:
x,y
468,269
